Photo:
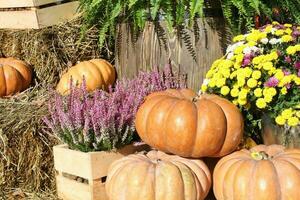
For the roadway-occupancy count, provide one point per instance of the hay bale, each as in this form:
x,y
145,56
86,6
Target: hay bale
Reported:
x,y
51,50
25,147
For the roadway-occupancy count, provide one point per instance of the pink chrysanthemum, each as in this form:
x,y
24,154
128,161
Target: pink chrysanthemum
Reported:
x,y
271,82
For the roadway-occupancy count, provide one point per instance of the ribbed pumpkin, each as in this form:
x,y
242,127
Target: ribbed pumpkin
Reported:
x,y
157,176
263,172
15,76
98,74
182,123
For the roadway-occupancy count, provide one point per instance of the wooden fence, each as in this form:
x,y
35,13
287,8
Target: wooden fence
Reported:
x,y
208,42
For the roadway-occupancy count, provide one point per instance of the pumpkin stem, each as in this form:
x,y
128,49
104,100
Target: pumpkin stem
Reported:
x,y
260,155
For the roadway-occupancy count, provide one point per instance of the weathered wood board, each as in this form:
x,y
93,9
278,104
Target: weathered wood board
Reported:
x,y
209,43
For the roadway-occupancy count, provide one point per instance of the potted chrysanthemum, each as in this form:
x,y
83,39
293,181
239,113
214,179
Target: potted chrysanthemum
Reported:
x,y
260,73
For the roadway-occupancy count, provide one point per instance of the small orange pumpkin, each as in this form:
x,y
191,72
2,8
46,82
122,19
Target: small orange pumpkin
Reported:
x,y
157,176
263,172
182,123
98,74
15,76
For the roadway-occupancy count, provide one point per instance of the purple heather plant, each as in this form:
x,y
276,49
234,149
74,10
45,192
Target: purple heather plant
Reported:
x,y
105,120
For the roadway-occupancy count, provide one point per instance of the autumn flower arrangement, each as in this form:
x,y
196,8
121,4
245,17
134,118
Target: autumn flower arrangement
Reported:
x,y
105,120
260,73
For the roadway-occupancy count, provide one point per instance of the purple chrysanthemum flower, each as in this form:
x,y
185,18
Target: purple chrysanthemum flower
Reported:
x,y
287,59
271,82
297,65
286,72
246,62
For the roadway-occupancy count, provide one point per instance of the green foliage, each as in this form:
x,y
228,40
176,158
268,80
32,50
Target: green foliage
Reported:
x,y
180,14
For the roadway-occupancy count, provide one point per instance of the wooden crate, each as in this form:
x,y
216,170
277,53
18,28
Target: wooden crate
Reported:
x,y
23,14
81,176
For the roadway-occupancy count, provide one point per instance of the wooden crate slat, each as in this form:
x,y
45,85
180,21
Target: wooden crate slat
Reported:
x,y
20,19
68,189
51,15
38,17
24,3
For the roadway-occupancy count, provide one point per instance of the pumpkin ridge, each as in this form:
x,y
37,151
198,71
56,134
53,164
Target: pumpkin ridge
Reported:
x,y
149,117
194,141
234,167
99,71
166,116
180,166
226,124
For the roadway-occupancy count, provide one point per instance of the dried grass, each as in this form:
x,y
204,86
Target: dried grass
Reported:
x,y
25,147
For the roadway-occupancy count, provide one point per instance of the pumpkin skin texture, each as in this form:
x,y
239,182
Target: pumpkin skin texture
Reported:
x,y
157,176
15,76
182,123
98,74
262,173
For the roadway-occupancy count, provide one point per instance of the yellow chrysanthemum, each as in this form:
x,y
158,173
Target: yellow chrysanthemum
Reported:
x,y
286,38
280,120
242,101
260,103
243,94
267,65
297,114
279,74
268,98
288,25
252,83
279,32
257,60
239,57
291,50
288,31
268,28
287,113
293,121
283,90
234,92
225,90
212,83
241,82
275,23
239,49
238,38
204,88
272,91
220,82
256,74
258,92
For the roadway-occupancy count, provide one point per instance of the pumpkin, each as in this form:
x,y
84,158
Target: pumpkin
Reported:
x,y
263,172
182,123
97,73
157,176
15,76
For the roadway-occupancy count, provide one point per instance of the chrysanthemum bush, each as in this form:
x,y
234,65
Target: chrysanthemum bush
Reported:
x,y
260,73
105,120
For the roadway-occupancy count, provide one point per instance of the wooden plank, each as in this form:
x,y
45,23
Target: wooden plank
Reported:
x,y
58,13
25,3
38,18
18,19
68,189
209,43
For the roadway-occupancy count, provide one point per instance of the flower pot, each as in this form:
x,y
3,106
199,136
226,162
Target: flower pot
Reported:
x,y
275,134
81,176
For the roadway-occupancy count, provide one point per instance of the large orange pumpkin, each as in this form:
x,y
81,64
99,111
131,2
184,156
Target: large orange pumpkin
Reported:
x,y
157,176
15,76
263,172
182,123
98,74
